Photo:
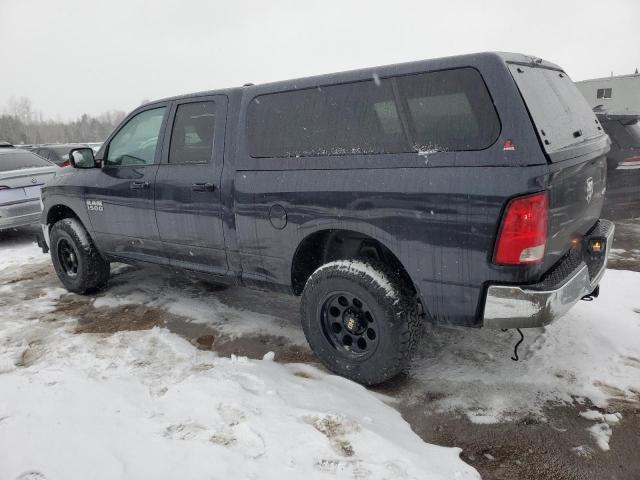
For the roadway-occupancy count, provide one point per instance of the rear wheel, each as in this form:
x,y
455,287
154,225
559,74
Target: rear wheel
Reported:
x,y
361,321
79,265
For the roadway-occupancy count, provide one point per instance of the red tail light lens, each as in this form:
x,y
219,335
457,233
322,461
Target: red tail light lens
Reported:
x,y
66,163
631,161
523,233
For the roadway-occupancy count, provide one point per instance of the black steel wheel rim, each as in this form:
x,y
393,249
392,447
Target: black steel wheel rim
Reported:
x,y
68,258
348,325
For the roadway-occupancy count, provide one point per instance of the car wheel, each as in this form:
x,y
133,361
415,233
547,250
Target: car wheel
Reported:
x,y
361,322
79,265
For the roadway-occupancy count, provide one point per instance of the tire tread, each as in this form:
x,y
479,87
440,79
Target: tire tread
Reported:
x,y
403,304
97,271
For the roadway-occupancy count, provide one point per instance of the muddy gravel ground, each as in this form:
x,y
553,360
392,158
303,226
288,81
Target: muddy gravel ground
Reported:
x,y
526,448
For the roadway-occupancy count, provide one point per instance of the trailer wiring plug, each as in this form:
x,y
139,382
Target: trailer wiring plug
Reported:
x,y
515,357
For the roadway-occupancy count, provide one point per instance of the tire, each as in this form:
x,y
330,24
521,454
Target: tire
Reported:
x,y
79,265
378,320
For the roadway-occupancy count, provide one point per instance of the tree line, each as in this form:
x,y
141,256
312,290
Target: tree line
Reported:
x,y
21,124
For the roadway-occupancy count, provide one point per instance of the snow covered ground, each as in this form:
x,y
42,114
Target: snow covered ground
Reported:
x,y
147,404
592,353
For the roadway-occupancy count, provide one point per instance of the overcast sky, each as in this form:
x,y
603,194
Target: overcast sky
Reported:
x,y
76,56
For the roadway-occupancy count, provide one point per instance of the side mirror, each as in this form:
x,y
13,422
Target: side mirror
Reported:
x,y
82,158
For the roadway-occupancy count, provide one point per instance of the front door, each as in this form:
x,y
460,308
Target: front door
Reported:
x,y
188,194
120,201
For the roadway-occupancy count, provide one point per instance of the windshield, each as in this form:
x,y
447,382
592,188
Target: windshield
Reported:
x,y
19,160
560,113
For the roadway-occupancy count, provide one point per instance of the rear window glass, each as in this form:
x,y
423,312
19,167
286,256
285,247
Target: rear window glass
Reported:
x,y
20,160
448,110
42,153
63,152
559,111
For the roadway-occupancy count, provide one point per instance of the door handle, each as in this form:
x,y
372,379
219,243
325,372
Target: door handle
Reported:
x,y
139,185
203,187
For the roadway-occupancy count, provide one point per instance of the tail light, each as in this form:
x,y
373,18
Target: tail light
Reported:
x,y
631,162
523,233
66,163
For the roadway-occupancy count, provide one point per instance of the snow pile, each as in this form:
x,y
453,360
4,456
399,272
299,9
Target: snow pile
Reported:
x,y
601,432
611,418
591,353
14,255
147,404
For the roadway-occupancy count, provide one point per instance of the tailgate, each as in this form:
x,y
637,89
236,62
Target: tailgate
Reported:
x,y
576,196
576,147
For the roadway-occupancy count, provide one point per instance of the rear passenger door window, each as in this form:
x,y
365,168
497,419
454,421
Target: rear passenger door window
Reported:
x,y
193,133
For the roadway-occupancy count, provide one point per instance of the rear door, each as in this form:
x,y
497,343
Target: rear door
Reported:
x,y
120,201
188,195
576,147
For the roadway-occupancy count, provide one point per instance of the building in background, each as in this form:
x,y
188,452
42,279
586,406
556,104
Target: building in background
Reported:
x,y
619,95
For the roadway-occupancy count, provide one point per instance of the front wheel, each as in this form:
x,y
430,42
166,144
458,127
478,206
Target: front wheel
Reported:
x,y
361,322
79,265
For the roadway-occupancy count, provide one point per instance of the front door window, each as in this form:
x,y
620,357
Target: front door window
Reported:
x,y
135,144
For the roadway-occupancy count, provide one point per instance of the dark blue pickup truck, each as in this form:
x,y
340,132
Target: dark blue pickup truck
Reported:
x,y
463,190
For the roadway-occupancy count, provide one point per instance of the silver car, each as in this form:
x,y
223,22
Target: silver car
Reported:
x,y
22,174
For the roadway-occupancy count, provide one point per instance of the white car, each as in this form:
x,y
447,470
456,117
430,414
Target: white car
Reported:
x,y
22,175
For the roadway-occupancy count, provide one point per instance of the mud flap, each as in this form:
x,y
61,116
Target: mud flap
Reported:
x,y
42,242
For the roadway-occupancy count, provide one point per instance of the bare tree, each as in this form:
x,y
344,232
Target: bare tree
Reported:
x,y
20,124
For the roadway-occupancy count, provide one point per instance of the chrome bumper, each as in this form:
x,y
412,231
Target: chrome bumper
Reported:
x,y
509,306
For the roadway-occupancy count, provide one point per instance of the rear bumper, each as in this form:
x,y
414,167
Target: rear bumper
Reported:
x,y
512,306
20,214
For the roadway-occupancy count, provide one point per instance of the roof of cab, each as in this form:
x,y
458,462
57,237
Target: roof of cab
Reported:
x,y
472,60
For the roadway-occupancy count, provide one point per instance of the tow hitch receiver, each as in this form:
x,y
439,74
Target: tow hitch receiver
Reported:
x,y
596,246
592,295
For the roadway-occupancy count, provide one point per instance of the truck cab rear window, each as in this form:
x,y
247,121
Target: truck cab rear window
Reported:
x,y
448,110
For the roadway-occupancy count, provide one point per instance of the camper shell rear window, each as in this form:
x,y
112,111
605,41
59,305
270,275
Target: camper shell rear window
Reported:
x,y
561,114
